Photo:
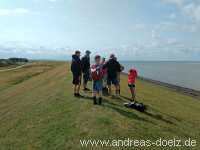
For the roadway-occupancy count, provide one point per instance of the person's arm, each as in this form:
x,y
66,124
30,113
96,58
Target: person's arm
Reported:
x,y
118,67
88,63
93,68
71,66
82,63
80,67
105,65
74,68
121,68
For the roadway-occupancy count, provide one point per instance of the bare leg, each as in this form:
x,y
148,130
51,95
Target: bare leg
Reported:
x,y
84,86
132,93
100,93
79,85
110,89
94,94
85,81
75,89
78,89
117,89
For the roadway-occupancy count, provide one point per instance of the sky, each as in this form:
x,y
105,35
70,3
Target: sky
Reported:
x,y
131,29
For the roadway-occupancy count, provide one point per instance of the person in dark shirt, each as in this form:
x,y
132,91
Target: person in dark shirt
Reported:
x,y
113,67
76,70
118,74
85,62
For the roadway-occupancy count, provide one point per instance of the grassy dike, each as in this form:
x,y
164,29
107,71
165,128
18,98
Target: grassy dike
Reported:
x,y
38,111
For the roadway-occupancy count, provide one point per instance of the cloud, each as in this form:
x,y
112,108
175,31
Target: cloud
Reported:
x,y
16,11
189,8
161,48
177,27
193,10
18,48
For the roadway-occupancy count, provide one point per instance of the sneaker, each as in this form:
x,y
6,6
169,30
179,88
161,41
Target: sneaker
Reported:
x,y
79,95
86,89
76,95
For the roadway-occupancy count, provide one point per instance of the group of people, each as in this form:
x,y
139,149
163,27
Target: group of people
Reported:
x,y
102,73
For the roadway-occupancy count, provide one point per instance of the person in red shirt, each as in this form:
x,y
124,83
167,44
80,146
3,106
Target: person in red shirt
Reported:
x,y
132,75
97,76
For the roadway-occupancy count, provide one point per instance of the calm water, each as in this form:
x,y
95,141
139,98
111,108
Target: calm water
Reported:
x,y
185,74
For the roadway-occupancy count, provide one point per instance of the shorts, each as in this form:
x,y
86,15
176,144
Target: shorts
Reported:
x,y
97,85
112,81
86,77
76,80
131,85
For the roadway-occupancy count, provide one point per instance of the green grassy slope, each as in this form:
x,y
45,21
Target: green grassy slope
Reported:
x,y
38,111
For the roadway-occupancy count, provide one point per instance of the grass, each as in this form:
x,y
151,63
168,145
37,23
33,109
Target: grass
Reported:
x,y
38,111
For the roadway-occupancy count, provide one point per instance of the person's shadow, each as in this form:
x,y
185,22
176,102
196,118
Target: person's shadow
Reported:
x,y
117,106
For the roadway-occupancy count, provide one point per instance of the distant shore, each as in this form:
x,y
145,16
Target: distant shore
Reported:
x,y
183,90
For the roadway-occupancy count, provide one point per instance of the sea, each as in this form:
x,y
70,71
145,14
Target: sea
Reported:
x,y
180,73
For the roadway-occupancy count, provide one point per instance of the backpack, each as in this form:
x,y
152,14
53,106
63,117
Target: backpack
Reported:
x,y
96,72
138,106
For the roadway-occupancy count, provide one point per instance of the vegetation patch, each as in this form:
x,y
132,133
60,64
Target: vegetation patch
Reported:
x,y
24,78
47,116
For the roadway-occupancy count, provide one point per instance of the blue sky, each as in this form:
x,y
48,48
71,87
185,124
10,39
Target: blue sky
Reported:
x,y
132,29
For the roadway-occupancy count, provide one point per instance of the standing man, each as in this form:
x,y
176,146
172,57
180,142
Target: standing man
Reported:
x,y
113,67
85,62
76,70
118,74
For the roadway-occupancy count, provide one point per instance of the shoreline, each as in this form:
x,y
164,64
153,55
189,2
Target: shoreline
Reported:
x,y
180,89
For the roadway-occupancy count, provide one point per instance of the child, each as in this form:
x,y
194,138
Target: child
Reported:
x,y
132,75
97,76
76,71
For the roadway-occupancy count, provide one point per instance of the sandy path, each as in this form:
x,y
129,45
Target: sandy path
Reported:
x,y
18,67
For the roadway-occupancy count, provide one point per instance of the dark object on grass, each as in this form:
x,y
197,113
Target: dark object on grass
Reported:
x,y
86,89
78,95
105,91
135,105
